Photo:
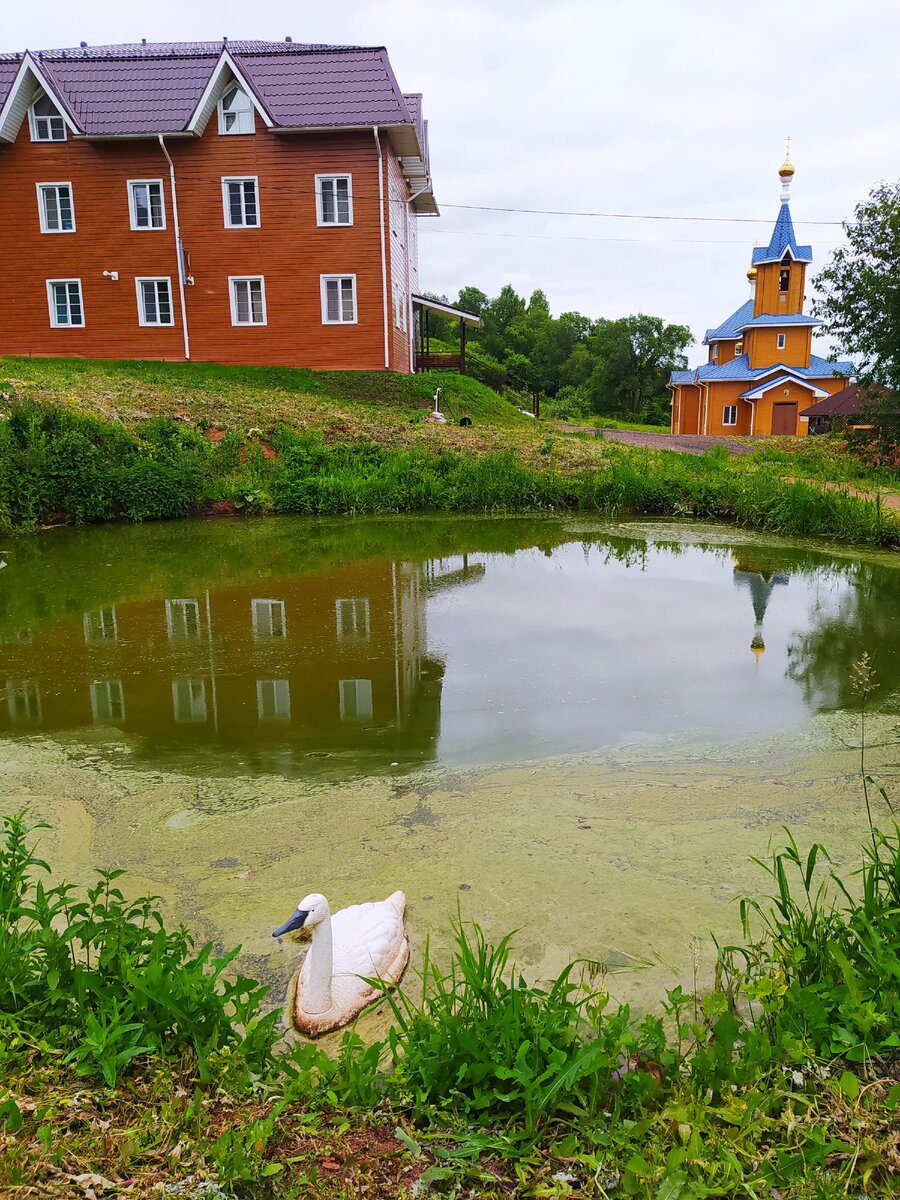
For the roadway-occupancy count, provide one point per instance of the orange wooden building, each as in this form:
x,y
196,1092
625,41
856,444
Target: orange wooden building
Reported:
x,y
761,373
242,202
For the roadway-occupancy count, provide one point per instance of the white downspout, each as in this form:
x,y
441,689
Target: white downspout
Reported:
x,y
705,387
409,303
179,255
384,291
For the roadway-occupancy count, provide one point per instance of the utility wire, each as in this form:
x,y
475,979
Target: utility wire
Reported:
x,y
550,212
562,237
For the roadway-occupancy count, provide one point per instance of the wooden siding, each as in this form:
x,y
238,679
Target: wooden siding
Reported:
x,y
288,249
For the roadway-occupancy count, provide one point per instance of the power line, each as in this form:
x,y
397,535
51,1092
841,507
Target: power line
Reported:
x,y
551,212
562,237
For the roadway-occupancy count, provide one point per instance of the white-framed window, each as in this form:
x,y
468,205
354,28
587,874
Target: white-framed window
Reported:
x,y
240,196
780,340
738,349
334,199
146,206
108,700
189,700
183,620
356,699
23,700
66,304
248,299
399,307
236,112
338,299
352,617
101,625
729,414
56,208
715,351
268,618
154,301
273,699
396,217
45,121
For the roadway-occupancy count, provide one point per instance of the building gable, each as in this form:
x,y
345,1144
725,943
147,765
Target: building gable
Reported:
x,y
26,86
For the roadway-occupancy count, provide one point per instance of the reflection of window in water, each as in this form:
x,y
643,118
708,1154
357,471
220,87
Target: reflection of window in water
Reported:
x,y
101,625
189,699
268,618
108,700
183,619
273,699
352,618
23,699
356,699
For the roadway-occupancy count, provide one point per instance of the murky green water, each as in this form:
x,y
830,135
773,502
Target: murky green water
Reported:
x,y
297,647
581,730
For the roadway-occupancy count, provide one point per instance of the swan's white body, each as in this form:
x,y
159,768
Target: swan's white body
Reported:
x,y
367,940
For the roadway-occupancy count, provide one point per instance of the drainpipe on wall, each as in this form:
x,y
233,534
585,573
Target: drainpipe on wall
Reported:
x,y
384,292
179,249
409,303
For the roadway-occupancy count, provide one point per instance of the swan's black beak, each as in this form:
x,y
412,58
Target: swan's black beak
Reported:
x,y
294,922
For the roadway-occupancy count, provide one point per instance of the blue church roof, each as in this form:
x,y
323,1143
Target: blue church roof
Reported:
x,y
730,329
774,319
782,242
739,368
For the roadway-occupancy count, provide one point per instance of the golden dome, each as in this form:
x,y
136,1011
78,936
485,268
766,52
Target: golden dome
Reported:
x,y
786,170
752,273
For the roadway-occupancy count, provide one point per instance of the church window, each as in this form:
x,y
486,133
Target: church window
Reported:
x,y
779,341
715,351
738,349
784,275
729,414
236,112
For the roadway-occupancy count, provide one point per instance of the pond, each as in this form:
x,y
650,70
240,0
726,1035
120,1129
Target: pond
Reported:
x,y
583,729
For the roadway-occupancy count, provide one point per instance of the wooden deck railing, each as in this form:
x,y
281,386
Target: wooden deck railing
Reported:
x,y
440,362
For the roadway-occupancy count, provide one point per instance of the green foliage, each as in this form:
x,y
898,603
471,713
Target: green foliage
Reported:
x,y
482,1041
101,979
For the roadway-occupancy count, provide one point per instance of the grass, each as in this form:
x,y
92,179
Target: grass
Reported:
x,y
86,441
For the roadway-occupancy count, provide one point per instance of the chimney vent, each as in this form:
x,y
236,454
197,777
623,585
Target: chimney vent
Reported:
x,y
288,39
83,45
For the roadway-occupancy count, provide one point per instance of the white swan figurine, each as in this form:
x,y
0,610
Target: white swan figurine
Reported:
x,y
363,940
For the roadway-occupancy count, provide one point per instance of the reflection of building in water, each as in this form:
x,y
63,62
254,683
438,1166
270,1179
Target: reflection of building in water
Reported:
x,y
760,582
326,661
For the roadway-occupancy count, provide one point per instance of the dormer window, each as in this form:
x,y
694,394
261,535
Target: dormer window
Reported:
x,y
47,124
715,351
236,112
738,349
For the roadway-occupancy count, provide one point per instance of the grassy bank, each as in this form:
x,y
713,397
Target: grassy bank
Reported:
x,y
129,1061
85,441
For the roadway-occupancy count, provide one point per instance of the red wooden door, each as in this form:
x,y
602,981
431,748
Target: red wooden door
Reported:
x,y
784,418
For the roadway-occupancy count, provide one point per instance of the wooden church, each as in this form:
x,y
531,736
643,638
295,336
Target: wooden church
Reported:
x,y
761,374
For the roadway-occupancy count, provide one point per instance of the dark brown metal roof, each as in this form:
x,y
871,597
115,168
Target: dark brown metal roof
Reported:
x,y
138,88
846,401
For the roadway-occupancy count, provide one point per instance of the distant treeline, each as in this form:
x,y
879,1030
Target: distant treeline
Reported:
x,y
583,366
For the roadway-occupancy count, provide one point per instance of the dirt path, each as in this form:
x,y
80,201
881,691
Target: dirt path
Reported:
x,y
683,442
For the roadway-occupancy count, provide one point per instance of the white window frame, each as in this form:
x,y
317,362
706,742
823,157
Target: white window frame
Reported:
x,y
780,340
396,214
194,713
105,628
102,691
732,408
279,692
54,324
183,607
347,612
715,352
324,281
142,311
232,295
738,349
132,208
264,626
226,205
33,119
27,690
321,180
42,207
245,116
399,307
364,692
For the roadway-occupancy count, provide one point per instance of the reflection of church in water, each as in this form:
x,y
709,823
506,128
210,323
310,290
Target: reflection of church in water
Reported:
x,y
314,663
760,581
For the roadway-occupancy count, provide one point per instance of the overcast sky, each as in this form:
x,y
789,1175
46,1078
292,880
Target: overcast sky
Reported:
x,y
606,106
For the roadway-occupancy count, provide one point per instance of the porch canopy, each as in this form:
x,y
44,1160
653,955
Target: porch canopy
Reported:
x,y
425,360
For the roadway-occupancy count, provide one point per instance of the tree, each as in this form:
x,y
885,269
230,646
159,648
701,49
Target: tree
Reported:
x,y
859,301
633,357
473,300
